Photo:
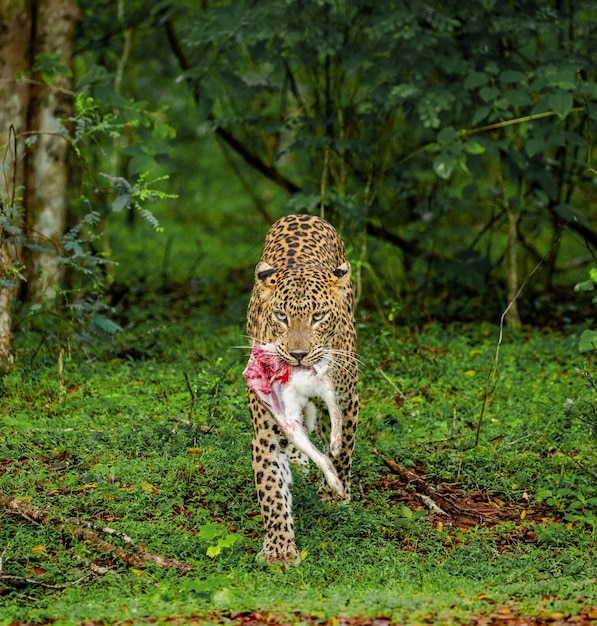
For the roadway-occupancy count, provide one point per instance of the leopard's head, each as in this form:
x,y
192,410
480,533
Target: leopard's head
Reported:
x,y
304,310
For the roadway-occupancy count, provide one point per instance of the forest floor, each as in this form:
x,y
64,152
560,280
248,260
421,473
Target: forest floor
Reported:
x,y
127,494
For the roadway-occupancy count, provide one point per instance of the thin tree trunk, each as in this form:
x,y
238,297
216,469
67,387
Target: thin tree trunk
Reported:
x,y
513,315
7,291
46,175
511,258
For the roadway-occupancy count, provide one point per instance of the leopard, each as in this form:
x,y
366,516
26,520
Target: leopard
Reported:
x,y
303,302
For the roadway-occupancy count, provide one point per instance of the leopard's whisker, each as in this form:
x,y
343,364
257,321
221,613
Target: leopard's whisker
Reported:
x,y
347,353
335,364
348,357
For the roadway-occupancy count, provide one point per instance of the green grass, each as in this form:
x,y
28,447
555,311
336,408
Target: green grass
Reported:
x,y
108,446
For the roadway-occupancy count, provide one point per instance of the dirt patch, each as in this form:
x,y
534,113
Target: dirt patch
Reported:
x,y
498,616
453,507
448,506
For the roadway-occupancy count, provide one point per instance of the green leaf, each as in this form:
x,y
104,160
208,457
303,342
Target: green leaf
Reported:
x,y
164,131
480,115
74,247
517,97
535,146
213,551
121,202
562,76
543,494
35,247
49,65
561,102
502,103
512,76
474,147
211,531
570,215
226,542
406,512
475,80
446,134
107,325
443,165
405,91
547,182
585,285
587,341
489,94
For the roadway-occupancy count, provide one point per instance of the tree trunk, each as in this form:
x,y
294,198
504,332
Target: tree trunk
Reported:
x,y
15,38
7,290
46,167
512,313
33,190
513,316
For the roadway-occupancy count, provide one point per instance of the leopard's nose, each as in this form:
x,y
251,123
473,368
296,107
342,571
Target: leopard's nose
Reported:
x,y
298,356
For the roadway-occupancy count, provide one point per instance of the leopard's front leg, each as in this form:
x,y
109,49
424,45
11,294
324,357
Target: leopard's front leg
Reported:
x,y
343,462
273,481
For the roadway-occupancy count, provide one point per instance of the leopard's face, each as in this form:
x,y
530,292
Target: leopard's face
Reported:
x,y
304,311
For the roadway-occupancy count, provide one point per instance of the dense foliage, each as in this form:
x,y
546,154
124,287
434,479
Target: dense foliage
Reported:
x,y
451,142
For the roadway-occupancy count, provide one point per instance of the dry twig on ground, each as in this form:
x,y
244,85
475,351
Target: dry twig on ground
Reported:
x,y
85,531
431,496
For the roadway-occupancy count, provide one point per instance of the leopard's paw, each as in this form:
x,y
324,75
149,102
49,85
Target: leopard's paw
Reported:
x,y
330,496
285,554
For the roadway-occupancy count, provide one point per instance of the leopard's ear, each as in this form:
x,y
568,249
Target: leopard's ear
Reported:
x,y
264,272
342,274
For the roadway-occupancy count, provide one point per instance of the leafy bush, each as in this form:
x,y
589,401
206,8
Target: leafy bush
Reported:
x,y
588,339
73,313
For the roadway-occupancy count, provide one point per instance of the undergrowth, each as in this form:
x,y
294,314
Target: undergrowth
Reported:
x,y
150,435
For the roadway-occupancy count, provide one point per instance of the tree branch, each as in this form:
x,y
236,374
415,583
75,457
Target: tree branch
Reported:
x,y
446,505
241,149
409,247
139,557
254,160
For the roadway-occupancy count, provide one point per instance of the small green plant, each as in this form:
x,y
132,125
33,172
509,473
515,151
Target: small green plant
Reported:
x,y
205,588
219,537
584,407
588,338
74,314
49,65
137,195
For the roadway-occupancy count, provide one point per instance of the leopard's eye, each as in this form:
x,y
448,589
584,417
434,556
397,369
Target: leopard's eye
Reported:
x,y
318,316
281,316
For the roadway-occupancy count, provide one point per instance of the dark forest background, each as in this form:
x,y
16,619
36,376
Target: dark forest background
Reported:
x,y
451,144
